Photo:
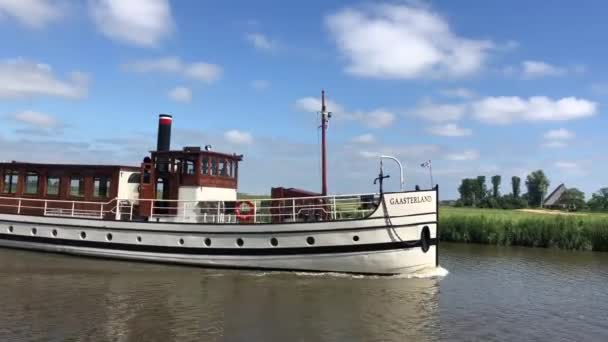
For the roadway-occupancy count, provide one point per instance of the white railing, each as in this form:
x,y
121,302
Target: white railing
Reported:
x,y
49,207
264,210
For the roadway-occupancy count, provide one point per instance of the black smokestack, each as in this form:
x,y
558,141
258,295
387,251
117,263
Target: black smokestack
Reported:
x,y
164,132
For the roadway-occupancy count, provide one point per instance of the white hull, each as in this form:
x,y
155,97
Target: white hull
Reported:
x,y
387,242
389,262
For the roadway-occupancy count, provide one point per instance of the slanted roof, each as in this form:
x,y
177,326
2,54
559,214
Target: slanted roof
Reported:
x,y
554,196
191,153
14,164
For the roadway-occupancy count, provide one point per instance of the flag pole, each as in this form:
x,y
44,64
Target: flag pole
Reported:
x,y
431,173
429,164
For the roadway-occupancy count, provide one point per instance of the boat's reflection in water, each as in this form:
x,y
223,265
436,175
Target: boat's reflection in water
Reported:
x,y
62,298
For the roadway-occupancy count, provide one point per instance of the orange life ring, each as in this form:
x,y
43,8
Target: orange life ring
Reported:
x,y
248,214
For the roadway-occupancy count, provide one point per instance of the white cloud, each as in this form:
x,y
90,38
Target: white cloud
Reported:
x,y
510,45
463,156
203,72
20,78
166,64
364,139
536,69
378,118
462,93
36,119
566,165
599,88
532,69
557,138
559,134
200,71
260,41
571,167
505,109
313,105
369,154
450,130
32,13
408,152
238,137
439,112
554,144
260,85
400,41
181,94
137,22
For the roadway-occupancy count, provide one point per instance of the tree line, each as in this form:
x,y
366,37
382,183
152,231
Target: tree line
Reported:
x,y
474,193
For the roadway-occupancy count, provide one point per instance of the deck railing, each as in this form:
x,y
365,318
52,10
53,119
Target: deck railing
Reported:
x,y
264,210
50,207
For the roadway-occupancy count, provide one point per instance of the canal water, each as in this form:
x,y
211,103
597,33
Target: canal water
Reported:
x,y
482,293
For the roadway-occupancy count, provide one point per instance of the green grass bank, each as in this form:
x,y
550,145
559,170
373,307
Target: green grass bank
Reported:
x,y
581,231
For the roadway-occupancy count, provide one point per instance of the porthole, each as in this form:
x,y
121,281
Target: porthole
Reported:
x,y
34,231
425,239
83,235
181,242
109,237
54,232
310,240
356,238
10,229
240,242
207,242
274,242
139,239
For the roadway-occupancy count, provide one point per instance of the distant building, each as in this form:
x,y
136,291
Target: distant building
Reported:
x,y
552,201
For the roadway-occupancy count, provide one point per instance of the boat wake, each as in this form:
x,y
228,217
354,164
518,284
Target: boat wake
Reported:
x,y
432,272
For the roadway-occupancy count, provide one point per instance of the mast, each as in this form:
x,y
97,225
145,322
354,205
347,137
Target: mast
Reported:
x,y
324,119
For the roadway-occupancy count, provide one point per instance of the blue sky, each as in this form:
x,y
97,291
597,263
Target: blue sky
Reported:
x,y
479,88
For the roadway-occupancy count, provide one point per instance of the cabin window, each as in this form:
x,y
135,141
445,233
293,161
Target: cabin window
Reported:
x,y
213,167
52,186
11,178
223,168
231,168
134,178
31,183
205,166
101,187
146,179
77,186
160,188
189,167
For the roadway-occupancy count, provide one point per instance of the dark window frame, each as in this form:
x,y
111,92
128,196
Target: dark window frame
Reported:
x,y
26,184
81,186
189,167
96,188
160,182
48,182
12,186
205,166
213,166
134,176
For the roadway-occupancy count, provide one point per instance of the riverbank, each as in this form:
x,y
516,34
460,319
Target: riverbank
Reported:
x,y
584,231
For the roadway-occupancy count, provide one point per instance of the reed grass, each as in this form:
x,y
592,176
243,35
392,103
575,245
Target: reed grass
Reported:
x,y
510,227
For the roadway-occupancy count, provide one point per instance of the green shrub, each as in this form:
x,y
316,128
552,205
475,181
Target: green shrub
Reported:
x,y
504,227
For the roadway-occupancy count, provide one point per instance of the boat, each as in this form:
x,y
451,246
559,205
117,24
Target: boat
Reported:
x,y
182,207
